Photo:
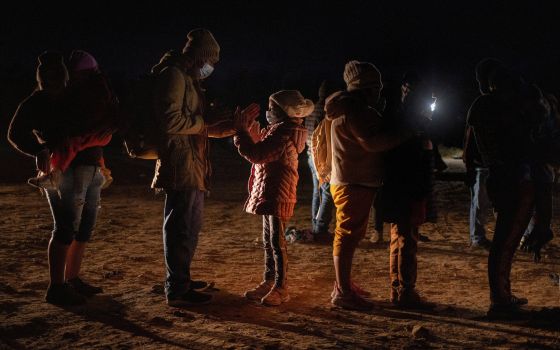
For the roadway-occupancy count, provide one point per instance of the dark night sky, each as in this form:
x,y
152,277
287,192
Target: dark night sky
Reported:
x,y
271,45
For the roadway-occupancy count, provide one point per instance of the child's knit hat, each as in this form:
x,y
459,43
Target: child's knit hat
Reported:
x,y
292,103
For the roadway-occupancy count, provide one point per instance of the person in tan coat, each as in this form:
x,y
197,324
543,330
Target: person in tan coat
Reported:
x,y
357,143
183,168
274,151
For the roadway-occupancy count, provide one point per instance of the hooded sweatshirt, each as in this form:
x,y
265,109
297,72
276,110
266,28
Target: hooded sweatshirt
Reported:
x,y
357,141
274,174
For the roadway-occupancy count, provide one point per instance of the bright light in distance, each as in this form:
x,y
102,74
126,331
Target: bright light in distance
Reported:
x,y
433,106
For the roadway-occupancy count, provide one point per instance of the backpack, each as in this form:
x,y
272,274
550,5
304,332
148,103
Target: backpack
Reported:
x,y
140,129
321,150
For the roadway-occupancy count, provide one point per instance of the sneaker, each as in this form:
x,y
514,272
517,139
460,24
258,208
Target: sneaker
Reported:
x,y
201,286
483,244
519,301
48,181
410,299
358,290
350,301
259,291
377,237
355,288
276,296
190,298
107,178
63,295
507,312
84,288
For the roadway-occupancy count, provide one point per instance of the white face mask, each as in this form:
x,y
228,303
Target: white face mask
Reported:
x,y
205,71
271,117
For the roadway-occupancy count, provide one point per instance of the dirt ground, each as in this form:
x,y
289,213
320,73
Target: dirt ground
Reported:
x,y
125,258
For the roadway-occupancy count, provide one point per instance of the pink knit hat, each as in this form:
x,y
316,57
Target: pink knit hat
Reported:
x,y
81,60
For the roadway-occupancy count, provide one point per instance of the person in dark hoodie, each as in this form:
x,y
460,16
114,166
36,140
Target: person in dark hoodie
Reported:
x,y
407,184
502,120
273,151
41,123
183,167
356,160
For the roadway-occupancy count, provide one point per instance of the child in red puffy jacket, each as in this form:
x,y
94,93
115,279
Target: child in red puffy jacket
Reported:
x,y
273,151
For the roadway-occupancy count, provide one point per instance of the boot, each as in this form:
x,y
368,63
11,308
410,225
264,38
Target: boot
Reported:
x,y
276,296
259,291
349,300
410,299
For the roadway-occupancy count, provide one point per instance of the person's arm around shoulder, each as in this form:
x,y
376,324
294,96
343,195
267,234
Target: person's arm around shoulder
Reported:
x,y
368,131
20,131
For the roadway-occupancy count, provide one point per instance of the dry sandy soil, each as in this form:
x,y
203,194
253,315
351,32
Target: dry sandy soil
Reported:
x,y
125,257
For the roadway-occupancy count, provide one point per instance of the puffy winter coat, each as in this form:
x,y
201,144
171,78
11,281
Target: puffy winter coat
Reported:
x,y
274,174
179,106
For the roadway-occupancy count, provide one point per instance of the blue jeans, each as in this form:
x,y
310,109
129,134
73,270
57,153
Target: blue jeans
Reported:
x,y
322,203
182,222
480,204
75,211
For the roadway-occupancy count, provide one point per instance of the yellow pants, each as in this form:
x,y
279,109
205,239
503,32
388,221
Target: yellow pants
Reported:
x,y
353,204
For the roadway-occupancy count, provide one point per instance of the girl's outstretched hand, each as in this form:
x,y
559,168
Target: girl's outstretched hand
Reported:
x,y
243,119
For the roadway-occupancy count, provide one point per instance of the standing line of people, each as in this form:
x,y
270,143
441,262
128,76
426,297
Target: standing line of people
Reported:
x,y
360,153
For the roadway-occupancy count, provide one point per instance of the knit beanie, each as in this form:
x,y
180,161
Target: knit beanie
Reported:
x,y
361,75
51,68
202,46
292,103
81,60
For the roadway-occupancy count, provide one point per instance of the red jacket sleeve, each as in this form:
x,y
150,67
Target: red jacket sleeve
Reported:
x,y
269,149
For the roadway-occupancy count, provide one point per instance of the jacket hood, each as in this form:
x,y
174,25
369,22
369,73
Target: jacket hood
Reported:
x,y
170,58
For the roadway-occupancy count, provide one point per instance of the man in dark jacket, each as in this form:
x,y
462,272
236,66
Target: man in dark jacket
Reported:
x,y
502,128
183,167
